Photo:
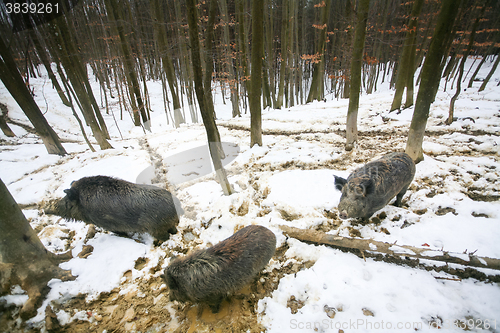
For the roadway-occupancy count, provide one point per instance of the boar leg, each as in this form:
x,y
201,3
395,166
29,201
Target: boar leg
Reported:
x,y
215,303
399,197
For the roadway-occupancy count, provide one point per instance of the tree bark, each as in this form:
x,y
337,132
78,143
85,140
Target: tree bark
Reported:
x,y
166,60
128,62
284,54
462,66
233,81
407,57
209,57
16,86
316,90
68,56
214,143
24,261
356,63
430,78
490,74
42,54
256,74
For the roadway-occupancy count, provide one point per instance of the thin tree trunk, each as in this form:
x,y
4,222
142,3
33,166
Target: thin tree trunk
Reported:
x,y
284,54
357,59
490,74
233,82
168,66
347,49
430,77
243,49
209,57
67,32
376,68
214,143
256,74
462,66
42,54
16,86
316,89
186,71
77,76
407,56
411,72
115,16
66,86
271,52
488,51
473,77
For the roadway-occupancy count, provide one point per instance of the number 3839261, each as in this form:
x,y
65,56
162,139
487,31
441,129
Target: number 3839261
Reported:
x,y
32,8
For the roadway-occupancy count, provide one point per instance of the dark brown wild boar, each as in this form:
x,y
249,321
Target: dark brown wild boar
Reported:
x,y
120,206
372,186
208,276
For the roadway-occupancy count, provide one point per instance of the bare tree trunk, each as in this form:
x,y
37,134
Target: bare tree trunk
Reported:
x,y
380,36
16,86
128,62
356,62
42,54
233,82
430,77
284,54
24,261
66,86
407,56
209,57
483,60
186,71
214,143
462,66
316,90
256,74
410,88
166,60
347,49
270,63
77,76
490,74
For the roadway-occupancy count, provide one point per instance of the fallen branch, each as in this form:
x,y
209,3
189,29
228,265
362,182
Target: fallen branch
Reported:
x,y
369,246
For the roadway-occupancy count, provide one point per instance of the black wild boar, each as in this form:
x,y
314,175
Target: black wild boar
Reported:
x,y
208,276
120,206
372,186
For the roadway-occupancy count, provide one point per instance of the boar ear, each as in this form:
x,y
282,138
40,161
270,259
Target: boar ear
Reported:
x,y
71,194
339,182
369,188
171,281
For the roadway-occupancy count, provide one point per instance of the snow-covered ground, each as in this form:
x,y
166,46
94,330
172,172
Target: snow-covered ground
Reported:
x,y
452,205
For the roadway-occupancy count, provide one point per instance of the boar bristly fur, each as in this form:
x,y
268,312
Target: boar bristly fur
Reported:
x,y
372,186
208,276
120,206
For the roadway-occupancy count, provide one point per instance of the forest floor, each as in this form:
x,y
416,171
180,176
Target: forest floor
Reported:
x,y
452,204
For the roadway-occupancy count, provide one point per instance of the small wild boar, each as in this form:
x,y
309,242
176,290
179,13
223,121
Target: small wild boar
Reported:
x,y
372,186
208,276
120,206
